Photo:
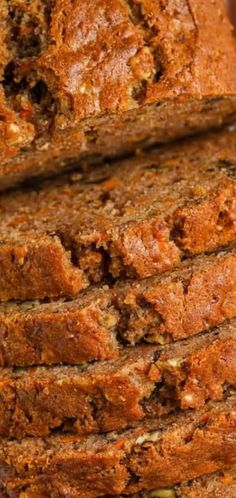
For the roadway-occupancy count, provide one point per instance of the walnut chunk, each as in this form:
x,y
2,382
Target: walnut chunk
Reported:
x,y
163,493
148,437
142,64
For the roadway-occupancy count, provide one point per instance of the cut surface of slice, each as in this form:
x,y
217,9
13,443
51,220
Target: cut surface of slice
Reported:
x,y
153,455
135,218
219,485
110,396
101,322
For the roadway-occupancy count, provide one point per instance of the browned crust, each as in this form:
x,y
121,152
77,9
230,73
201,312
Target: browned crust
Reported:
x,y
58,105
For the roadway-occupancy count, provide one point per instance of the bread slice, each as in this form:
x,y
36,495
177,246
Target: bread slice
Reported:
x,y
93,79
152,455
135,218
218,485
101,322
108,396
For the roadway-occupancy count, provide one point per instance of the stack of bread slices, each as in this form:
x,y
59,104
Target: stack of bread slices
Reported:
x,y
117,279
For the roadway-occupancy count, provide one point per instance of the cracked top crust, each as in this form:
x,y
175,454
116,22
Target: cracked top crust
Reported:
x,y
70,68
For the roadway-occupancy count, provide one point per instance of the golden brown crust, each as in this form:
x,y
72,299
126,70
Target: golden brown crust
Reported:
x,y
154,455
137,218
71,91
